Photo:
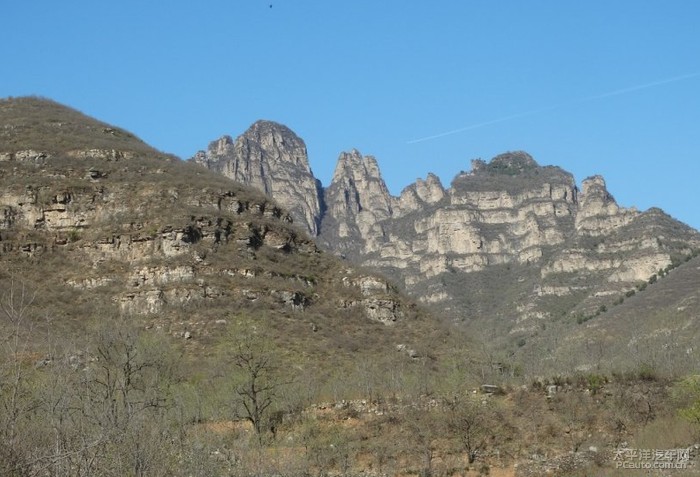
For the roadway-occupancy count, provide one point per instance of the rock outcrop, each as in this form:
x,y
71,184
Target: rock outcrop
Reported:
x,y
421,194
357,202
272,159
598,211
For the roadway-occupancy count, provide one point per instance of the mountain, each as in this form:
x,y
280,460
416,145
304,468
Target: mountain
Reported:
x,y
163,319
272,159
510,248
515,252
99,224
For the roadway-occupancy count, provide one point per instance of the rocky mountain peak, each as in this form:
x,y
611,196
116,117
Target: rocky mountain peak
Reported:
x,y
278,142
420,194
430,190
222,145
597,207
356,201
356,166
271,158
595,185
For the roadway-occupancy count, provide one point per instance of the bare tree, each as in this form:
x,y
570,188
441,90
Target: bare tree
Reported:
x,y
422,428
259,380
471,421
123,400
103,406
16,399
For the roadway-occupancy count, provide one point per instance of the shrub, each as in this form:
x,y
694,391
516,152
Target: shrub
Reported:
x,y
595,382
647,372
686,394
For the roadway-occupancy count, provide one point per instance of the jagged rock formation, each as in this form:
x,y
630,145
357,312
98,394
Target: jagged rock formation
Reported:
x,y
484,219
575,249
510,239
272,159
357,202
419,195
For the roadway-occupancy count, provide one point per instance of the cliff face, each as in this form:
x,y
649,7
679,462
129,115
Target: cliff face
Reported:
x,y
357,202
509,228
271,158
484,219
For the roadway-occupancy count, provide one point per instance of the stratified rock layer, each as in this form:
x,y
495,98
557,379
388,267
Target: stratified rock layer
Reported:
x,y
125,230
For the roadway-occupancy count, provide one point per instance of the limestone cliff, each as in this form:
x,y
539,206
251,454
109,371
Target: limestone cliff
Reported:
x,y
512,214
509,211
272,159
419,195
357,202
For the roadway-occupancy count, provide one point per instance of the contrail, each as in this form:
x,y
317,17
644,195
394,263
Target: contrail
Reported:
x,y
550,108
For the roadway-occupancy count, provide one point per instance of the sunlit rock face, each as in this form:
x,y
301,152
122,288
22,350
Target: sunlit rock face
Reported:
x,y
357,203
272,159
571,246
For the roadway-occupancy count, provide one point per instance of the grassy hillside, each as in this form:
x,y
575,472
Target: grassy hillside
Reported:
x,y
44,125
655,327
90,218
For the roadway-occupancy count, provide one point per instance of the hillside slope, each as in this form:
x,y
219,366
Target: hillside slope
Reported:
x,y
657,329
99,224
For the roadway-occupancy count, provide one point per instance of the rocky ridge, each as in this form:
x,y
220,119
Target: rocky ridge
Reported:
x,y
508,232
357,202
272,159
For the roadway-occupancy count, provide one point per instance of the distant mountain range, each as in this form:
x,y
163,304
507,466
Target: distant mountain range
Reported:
x,y
517,252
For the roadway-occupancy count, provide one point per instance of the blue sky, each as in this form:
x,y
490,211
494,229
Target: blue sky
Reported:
x,y
596,87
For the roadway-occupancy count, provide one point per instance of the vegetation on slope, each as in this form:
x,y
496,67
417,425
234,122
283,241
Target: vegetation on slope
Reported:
x,y
121,400
46,126
227,375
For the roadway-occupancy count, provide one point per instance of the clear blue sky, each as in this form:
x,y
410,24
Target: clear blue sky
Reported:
x,y
596,87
